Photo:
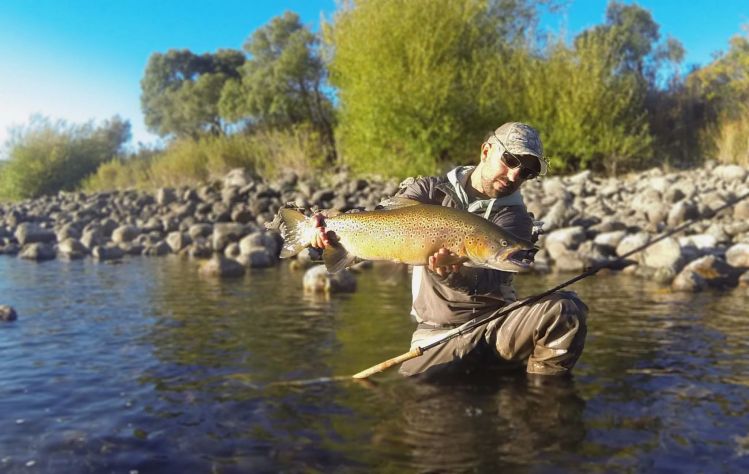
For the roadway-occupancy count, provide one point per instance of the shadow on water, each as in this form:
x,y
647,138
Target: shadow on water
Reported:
x,y
147,366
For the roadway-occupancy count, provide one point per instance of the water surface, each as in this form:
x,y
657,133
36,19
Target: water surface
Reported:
x,y
145,366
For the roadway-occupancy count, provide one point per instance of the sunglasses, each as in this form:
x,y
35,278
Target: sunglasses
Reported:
x,y
511,161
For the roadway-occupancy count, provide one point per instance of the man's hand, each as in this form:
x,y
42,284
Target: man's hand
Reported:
x,y
439,263
321,238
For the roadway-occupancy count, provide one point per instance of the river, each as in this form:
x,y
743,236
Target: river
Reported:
x,y
144,366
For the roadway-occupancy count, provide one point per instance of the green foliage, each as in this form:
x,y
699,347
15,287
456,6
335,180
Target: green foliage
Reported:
x,y
46,157
181,91
411,79
282,82
590,114
265,153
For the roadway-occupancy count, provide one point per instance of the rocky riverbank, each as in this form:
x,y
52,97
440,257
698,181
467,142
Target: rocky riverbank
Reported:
x,y
587,220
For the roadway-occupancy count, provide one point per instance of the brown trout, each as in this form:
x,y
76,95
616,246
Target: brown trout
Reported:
x,y
407,231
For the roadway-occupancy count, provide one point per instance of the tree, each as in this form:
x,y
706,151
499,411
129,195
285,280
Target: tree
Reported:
x,y
181,91
412,78
48,156
282,82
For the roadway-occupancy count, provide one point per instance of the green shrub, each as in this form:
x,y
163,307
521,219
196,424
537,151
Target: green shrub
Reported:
x,y
46,156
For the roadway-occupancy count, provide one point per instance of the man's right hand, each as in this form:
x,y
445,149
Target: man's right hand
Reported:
x,y
321,239
438,263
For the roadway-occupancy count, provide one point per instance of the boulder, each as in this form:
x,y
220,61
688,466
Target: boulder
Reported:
x,y
222,267
29,233
38,251
92,237
738,255
730,173
200,230
226,232
165,196
238,177
124,233
72,249
663,254
257,257
631,242
318,280
157,249
610,240
306,259
178,240
107,252
741,211
715,272
569,237
7,313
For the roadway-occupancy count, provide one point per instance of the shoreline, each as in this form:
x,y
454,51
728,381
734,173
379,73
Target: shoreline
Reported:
x,y
587,220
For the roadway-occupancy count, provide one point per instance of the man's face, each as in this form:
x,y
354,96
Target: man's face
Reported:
x,y
497,179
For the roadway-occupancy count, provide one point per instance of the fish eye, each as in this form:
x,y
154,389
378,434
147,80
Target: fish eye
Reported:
x,y
503,243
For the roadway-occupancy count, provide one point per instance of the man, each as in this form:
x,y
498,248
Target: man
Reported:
x,y
548,336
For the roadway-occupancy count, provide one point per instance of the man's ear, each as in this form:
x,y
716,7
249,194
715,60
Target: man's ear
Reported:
x,y
485,150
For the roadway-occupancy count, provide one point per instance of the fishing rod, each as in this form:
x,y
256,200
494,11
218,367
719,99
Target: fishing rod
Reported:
x,y
616,264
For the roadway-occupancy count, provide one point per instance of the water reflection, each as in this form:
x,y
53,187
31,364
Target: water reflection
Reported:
x,y
147,366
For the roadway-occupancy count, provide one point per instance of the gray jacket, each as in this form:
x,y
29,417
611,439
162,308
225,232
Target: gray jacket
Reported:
x,y
472,292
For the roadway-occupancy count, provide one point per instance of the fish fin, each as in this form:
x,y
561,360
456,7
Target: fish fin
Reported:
x,y
397,202
336,257
293,225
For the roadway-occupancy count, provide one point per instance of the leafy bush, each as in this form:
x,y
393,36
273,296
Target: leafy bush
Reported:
x,y
411,75
46,156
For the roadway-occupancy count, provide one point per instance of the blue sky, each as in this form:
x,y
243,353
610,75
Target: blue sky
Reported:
x,y
81,60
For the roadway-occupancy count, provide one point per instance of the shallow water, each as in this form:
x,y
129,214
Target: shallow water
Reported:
x,y
144,366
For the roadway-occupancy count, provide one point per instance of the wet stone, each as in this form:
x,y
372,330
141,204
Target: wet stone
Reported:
x,y
7,313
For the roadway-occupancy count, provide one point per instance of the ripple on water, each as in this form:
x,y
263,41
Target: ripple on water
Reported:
x,y
147,366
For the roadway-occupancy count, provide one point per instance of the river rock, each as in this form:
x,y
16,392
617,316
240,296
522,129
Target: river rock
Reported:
x,y
318,280
730,173
741,211
305,259
238,177
631,242
568,237
71,249
37,251
199,249
663,254
610,240
29,233
715,272
157,249
200,230
226,232
738,255
92,237
178,240
222,267
165,196
7,313
232,250
68,231
257,257
261,239
688,281
124,233
107,252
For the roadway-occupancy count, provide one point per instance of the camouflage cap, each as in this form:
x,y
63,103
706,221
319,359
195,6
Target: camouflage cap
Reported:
x,y
522,139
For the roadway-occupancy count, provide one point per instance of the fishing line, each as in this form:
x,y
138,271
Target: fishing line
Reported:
x,y
616,264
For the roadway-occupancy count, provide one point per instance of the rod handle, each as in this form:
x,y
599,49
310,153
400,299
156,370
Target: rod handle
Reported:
x,y
383,366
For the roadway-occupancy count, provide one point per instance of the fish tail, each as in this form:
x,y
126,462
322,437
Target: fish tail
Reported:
x,y
296,230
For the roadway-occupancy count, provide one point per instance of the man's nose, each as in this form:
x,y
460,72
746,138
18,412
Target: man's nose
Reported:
x,y
514,174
